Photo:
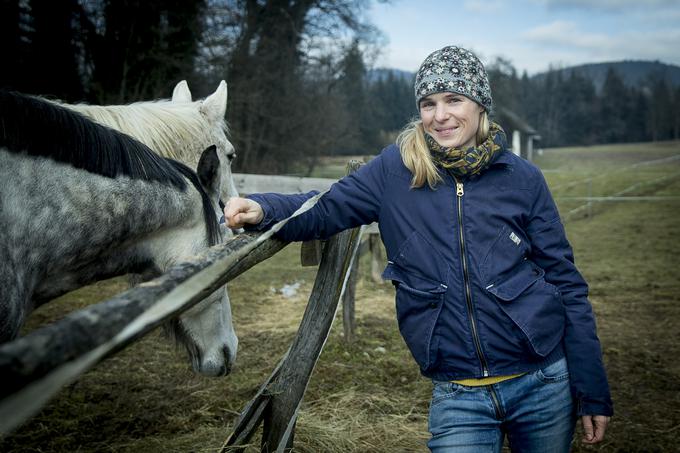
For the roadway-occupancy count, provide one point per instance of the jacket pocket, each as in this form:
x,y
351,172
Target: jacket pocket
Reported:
x,y
505,253
534,305
419,302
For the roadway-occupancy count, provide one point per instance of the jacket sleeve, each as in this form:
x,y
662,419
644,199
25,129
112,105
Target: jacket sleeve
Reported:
x,y
551,251
352,201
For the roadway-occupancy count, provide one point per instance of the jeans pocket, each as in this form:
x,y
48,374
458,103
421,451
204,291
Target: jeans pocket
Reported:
x,y
555,372
444,390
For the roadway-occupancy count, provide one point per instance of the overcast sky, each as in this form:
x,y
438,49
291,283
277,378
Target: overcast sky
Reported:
x,y
531,33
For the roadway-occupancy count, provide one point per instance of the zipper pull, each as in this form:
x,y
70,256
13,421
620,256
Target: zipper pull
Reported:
x,y
459,189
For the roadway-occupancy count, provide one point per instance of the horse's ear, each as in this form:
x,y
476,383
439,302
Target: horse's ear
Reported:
x,y
181,92
215,105
208,170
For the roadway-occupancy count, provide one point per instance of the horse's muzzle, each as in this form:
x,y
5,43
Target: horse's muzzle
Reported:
x,y
214,368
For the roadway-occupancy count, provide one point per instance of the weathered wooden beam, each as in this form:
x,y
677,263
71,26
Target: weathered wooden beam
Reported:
x,y
349,292
293,378
377,261
252,414
34,355
250,183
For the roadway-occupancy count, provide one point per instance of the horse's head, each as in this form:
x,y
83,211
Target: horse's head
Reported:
x,y
213,109
206,330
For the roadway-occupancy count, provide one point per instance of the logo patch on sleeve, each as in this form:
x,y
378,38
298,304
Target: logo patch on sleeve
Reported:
x,y
514,238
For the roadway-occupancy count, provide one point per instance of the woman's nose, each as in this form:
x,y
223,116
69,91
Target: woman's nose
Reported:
x,y
440,113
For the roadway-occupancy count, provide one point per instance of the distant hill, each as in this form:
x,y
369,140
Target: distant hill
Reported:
x,y
633,73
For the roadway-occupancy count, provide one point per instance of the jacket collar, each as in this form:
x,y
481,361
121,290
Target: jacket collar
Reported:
x,y
506,157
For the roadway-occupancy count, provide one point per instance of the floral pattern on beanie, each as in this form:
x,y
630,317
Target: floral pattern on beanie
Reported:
x,y
455,70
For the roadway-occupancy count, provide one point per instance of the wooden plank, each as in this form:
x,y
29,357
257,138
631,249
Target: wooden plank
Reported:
x,y
251,183
377,261
32,356
312,334
310,253
252,414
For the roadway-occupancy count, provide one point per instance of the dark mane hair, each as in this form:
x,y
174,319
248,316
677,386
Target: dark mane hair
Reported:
x,y
43,129
211,225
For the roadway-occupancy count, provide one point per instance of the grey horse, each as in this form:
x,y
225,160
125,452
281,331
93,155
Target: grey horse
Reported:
x,y
80,202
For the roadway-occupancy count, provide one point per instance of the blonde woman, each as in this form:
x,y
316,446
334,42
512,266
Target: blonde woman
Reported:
x,y
488,298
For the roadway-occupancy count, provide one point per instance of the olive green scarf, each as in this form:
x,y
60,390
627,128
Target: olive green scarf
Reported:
x,y
471,161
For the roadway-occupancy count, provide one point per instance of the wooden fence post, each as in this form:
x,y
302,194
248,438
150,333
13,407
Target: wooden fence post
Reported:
x,y
293,378
376,257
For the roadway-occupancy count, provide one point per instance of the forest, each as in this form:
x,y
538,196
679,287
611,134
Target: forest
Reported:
x,y
301,76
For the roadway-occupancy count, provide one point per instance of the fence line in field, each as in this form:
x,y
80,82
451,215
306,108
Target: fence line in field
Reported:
x,y
621,194
645,163
253,183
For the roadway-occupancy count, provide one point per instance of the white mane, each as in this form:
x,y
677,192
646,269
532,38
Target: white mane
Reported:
x,y
176,130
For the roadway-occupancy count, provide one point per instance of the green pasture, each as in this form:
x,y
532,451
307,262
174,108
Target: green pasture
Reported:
x,y
368,396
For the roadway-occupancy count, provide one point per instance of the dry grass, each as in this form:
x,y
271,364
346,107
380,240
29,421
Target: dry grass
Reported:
x,y
364,400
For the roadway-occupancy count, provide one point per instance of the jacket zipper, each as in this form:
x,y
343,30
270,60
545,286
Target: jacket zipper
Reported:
x,y
466,278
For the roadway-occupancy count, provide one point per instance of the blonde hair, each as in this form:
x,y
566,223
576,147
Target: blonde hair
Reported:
x,y
416,155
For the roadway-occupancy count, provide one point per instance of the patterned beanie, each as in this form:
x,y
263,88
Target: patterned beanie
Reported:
x,y
453,69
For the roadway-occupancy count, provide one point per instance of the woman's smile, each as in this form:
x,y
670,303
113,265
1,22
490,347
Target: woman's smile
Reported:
x,y
451,119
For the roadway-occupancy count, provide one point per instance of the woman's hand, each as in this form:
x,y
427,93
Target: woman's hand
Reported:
x,y
240,211
594,427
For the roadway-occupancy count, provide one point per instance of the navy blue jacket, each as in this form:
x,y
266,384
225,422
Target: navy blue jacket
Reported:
x,y
485,277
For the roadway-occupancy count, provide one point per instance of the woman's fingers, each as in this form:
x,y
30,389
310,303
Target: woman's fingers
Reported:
x,y
241,211
594,427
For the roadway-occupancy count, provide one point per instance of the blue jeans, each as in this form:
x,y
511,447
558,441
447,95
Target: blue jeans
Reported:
x,y
535,411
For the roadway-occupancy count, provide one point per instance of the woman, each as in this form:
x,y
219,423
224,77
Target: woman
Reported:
x,y
488,298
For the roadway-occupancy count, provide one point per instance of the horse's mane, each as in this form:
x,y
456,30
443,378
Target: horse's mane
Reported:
x,y
41,128
172,129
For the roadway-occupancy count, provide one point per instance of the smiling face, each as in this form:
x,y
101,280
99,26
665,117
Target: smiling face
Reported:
x,y
451,119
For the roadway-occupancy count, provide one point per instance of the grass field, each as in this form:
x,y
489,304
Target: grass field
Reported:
x,y
369,396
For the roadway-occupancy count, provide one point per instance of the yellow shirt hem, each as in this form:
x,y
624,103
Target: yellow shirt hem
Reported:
x,y
486,381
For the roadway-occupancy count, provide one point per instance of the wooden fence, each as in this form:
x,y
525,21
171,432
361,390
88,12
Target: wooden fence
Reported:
x,y
35,367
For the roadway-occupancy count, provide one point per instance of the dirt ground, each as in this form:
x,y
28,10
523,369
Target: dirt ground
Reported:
x,y
369,396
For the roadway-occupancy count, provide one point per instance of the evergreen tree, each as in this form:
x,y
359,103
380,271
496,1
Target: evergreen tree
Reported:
x,y
576,123
143,48
505,84
660,113
12,34
392,99
51,59
613,109
636,116
362,128
676,111
270,79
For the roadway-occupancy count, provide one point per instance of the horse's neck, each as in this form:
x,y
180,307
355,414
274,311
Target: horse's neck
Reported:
x,y
82,224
